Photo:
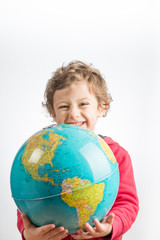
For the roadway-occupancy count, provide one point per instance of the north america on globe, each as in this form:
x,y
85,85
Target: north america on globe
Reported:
x,y
38,152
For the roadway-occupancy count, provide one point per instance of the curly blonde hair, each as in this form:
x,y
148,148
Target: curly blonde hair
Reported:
x,y
77,71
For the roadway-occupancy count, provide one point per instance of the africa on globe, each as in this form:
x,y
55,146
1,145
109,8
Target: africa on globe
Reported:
x,y
64,175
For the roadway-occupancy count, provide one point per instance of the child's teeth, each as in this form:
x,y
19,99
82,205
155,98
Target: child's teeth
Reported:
x,y
77,123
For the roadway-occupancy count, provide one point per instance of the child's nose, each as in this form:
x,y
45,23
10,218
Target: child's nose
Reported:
x,y
74,113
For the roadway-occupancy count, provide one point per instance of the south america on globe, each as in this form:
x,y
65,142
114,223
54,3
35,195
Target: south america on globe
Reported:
x,y
64,175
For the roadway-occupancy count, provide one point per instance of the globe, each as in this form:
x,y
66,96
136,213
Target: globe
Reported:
x,y
64,175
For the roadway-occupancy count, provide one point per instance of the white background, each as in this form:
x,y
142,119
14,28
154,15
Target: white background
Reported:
x,y
121,39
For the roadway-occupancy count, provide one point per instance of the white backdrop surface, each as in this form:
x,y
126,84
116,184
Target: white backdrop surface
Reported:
x,y
121,39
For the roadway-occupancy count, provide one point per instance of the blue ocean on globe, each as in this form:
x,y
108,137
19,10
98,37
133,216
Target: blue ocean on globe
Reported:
x,y
64,175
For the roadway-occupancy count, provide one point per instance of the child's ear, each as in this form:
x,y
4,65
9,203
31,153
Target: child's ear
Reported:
x,y
102,110
52,113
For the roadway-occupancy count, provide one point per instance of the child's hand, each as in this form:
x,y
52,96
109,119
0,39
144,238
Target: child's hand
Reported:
x,y
100,229
31,232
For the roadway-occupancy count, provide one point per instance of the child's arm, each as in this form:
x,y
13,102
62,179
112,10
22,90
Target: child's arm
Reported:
x,y
126,205
31,232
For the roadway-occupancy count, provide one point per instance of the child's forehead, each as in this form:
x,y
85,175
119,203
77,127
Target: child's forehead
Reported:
x,y
78,89
82,86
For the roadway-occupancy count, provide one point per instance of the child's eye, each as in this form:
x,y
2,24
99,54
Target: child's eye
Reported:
x,y
83,103
63,106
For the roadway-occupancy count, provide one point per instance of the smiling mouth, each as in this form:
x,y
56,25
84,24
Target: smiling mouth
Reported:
x,y
77,123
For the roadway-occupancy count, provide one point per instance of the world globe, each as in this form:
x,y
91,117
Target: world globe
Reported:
x,y
64,175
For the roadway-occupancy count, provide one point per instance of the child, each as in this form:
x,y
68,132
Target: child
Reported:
x,y
77,94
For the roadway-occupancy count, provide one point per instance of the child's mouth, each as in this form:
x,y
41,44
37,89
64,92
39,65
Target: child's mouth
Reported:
x,y
80,124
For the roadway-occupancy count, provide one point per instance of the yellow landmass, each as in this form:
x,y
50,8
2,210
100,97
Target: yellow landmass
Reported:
x,y
107,150
83,196
43,152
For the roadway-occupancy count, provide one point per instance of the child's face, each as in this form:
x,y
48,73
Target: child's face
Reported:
x,y
76,105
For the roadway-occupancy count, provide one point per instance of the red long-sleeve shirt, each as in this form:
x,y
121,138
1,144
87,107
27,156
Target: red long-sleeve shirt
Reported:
x,y
126,205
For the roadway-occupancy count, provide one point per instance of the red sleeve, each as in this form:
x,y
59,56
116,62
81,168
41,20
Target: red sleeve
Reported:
x,y
126,205
20,223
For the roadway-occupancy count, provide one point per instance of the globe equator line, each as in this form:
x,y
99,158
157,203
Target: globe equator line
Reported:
x,y
108,175
56,195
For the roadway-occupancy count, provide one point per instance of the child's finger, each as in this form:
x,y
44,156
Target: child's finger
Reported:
x,y
46,228
110,218
57,233
53,232
89,229
98,225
